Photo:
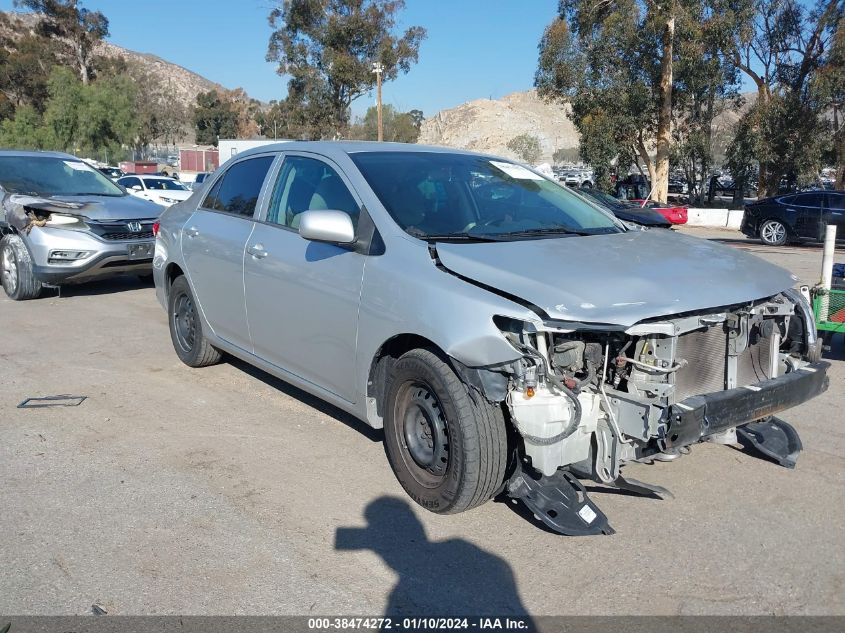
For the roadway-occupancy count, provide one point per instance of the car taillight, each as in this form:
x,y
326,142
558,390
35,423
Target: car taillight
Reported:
x,y
156,226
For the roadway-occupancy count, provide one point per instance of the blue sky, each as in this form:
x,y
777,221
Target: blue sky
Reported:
x,y
475,48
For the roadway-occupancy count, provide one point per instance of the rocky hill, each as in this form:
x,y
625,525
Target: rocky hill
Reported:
x,y
183,84
487,126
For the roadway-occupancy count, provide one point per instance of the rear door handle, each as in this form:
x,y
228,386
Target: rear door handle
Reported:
x,y
257,251
192,232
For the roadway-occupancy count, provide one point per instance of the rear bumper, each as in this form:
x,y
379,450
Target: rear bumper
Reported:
x,y
688,421
749,224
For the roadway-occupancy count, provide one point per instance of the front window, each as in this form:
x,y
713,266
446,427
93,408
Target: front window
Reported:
x,y
305,184
52,176
439,195
163,184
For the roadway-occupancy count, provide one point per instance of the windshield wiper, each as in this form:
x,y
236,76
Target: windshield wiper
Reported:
x,y
558,230
93,193
458,237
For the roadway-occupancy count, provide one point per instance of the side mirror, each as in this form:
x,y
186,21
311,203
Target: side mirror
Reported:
x,y
327,226
136,188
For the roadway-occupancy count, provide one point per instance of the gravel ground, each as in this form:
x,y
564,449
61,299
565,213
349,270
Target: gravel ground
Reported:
x,y
225,491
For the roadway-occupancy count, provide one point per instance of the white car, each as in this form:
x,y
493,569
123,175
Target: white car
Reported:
x,y
159,189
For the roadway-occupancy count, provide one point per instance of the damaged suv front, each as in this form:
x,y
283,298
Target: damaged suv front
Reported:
x,y
62,221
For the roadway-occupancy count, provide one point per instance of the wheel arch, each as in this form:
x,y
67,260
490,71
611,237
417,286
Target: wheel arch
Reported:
x,y
387,354
491,385
171,272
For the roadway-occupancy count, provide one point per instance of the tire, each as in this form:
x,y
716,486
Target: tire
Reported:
x,y
773,233
448,452
189,341
19,281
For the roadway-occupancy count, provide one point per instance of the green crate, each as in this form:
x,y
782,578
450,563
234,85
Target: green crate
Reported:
x,y
833,319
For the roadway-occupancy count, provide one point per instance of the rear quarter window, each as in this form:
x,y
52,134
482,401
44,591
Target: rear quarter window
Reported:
x,y
237,191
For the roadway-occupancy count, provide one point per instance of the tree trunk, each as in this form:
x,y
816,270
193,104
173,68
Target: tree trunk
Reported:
x,y
643,152
764,189
708,142
660,184
840,151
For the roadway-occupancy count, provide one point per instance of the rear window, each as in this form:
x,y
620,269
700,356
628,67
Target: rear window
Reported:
x,y
809,200
836,201
238,190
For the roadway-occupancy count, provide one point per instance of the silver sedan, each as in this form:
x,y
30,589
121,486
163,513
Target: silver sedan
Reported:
x,y
508,335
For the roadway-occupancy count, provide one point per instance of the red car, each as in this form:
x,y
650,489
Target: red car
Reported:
x,y
676,215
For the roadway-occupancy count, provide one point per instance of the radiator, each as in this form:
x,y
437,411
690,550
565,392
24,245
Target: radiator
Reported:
x,y
706,354
706,370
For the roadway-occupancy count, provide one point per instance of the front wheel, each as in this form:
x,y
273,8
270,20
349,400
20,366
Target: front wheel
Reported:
x,y
773,233
189,341
447,450
19,281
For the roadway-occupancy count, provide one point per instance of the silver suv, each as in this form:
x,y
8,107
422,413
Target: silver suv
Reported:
x,y
507,334
62,221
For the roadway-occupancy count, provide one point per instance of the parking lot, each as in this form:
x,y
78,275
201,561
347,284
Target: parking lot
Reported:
x,y
224,491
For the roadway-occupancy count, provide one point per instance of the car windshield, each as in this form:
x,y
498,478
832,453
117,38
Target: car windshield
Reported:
x,y
460,196
53,176
164,184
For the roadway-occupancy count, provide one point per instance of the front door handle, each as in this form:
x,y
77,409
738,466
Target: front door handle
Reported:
x,y
257,251
192,232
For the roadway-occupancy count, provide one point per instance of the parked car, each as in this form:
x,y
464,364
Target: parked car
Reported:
x,y
505,333
627,211
632,187
62,221
678,185
577,178
200,179
674,213
159,189
111,172
795,217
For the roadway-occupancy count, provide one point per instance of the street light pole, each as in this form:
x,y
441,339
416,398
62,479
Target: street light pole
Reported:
x,y
378,69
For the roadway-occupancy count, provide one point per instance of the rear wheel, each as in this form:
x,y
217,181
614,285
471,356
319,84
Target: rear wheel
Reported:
x,y
189,341
19,281
773,233
447,450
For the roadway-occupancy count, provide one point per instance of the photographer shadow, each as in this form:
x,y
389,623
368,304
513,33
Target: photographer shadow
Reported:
x,y
436,578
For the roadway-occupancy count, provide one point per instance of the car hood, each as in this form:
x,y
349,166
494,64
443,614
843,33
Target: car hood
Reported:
x,y
618,279
106,208
173,194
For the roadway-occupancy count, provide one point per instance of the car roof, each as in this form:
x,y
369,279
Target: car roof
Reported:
x,y
25,153
334,148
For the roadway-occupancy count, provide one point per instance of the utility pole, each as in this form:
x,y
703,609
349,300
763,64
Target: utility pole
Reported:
x,y
378,69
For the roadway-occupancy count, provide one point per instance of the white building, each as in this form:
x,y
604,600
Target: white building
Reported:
x,y
232,147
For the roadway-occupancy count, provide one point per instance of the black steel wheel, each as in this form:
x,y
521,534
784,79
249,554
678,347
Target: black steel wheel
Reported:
x,y
448,450
186,332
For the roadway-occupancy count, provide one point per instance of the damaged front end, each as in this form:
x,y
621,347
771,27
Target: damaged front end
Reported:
x,y
587,399
24,212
